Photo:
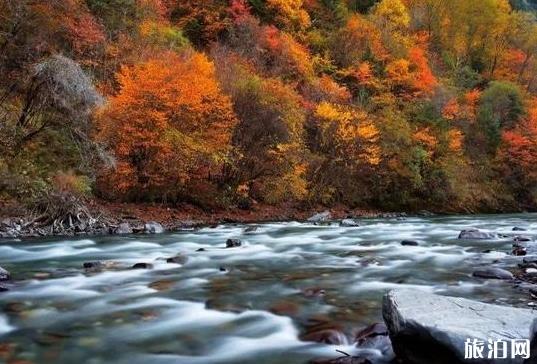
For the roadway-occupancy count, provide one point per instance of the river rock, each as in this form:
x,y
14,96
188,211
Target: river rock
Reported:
x,y
349,223
326,336
342,360
153,227
427,328
475,234
320,217
492,273
521,239
142,266
519,251
93,265
4,287
123,228
409,243
250,229
4,275
178,259
516,228
233,243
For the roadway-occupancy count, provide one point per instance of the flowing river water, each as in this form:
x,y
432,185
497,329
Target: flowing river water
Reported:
x,y
249,304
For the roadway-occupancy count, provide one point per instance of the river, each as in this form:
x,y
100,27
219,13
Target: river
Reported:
x,y
248,304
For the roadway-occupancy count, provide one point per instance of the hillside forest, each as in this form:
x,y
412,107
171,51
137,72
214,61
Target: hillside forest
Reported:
x,y
392,104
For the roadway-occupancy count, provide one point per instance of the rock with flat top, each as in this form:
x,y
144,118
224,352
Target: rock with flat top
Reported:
x,y
475,234
320,217
492,273
427,328
349,223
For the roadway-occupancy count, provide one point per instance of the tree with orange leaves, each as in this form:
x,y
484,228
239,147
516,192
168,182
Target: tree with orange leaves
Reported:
x,y
517,157
169,124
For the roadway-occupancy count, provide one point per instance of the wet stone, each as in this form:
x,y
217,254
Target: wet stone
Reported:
x,y
409,243
519,251
320,217
492,273
142,266
162,285
4,275
153,227
250,229
475,234
233,243
326,336
93,265
349,223
516,228
346,359
178,259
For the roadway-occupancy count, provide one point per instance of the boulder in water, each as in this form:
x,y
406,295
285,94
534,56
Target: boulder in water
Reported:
x,y
178,259
250,229
123,228
516,228
349,223
326,336
519,251
492,273
409,243
4,275
427,328
93,265
142,266
320,217
233,243
521,239
347,359
153,227
475,234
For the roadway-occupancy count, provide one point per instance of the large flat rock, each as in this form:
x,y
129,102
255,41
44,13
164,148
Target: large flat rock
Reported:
x,y
427,328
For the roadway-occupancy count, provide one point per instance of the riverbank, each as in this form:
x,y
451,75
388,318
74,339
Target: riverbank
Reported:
x,y
118,218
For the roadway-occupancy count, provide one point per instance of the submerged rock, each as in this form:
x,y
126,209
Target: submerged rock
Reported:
x,y
427,328
475,234
178,259
519,251
250,229
521,238
4,275
233,243
142,266
409,243
349,223
326,336
492,273
320,217
516,228
153,227
347,359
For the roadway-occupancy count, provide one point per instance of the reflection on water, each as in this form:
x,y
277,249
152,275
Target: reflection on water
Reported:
x,y
240,305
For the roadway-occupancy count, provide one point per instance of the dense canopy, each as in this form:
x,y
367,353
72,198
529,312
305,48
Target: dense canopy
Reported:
x,y
392,104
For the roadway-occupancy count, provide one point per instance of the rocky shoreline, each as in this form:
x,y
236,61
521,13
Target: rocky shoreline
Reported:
x,y
117,219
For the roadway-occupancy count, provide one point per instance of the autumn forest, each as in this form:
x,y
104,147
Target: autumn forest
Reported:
x,y
394,104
